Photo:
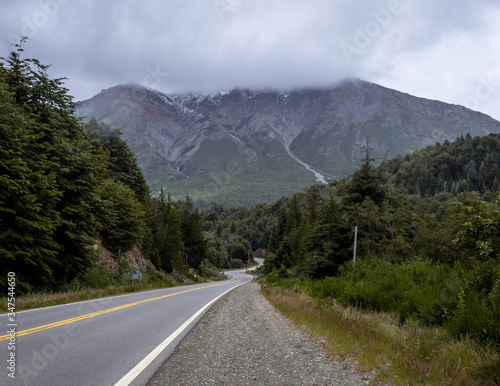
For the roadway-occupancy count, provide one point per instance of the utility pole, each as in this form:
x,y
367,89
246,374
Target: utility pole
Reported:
x,y
355,241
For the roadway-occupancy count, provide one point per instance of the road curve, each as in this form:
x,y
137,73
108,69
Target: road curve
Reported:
x,y
120,340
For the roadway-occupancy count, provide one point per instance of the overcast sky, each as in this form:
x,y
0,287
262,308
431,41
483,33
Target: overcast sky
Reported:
x,y
447,50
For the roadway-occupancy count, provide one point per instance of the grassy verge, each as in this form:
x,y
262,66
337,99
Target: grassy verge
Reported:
x,y
399,353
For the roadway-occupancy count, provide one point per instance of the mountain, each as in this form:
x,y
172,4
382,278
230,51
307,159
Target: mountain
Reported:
x,y
246,146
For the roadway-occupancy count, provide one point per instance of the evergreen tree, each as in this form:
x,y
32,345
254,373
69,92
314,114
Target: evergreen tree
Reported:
x,y
67,163
329,243
121,161
28,198
171,256
163,243
121,217
274,239
367,182
55,181
192,232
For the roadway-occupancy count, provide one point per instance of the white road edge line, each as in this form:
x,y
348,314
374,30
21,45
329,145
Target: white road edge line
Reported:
x,y
132,374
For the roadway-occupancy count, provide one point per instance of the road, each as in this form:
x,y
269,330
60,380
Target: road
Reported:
x,y
120,340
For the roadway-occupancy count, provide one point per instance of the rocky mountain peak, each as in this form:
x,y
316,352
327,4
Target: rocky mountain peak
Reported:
x,y
223,145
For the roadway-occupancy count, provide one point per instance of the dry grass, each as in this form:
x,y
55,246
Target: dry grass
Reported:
x,y
400,354
44,299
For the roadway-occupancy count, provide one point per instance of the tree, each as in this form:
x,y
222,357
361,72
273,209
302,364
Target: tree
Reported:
x,y
481,232
28,198
121,161
192,232
329,243
65,166
55,181
121,217
471,174
237,250
367,182
163,243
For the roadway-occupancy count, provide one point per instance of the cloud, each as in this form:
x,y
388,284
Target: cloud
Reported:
x,y
200,45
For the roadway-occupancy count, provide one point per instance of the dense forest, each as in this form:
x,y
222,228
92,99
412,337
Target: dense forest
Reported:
x,y
428,223
67,187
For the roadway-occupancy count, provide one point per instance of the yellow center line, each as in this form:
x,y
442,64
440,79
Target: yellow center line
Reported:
x,y
93,314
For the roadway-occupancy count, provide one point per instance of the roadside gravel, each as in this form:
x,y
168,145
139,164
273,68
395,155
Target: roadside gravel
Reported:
x,y
243,340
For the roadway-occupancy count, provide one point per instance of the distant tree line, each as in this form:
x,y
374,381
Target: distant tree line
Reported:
x,y
468,164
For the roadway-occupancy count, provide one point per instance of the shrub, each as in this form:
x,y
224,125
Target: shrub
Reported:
x,y
236,263
477,310
465,302
207,269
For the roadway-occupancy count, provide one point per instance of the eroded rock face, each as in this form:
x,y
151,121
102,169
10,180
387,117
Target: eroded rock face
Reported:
x,y
193,142
137,261
135,258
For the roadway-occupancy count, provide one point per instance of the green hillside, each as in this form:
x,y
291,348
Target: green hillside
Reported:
x,y
238,176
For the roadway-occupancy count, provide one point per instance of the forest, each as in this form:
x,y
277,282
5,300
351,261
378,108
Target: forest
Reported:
x,y
428,240
68,186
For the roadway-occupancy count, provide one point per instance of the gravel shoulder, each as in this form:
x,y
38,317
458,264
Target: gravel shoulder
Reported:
x,y
243,340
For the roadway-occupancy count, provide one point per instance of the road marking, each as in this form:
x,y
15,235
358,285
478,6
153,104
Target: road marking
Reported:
x,y
139,368
93,314
91,300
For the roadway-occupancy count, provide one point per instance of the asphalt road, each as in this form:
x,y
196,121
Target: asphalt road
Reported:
x,y
120,340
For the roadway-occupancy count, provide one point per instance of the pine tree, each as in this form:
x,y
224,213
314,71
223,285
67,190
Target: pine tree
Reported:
x,y
192,232
67,169
121,161
367,182
54,219
28,198
329,243
471,174
274,239
172,257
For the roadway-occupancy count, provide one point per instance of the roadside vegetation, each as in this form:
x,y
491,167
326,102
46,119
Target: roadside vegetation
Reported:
x,y
408,353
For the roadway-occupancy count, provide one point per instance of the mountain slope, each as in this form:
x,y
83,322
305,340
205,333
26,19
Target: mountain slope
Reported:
x,y
246,146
